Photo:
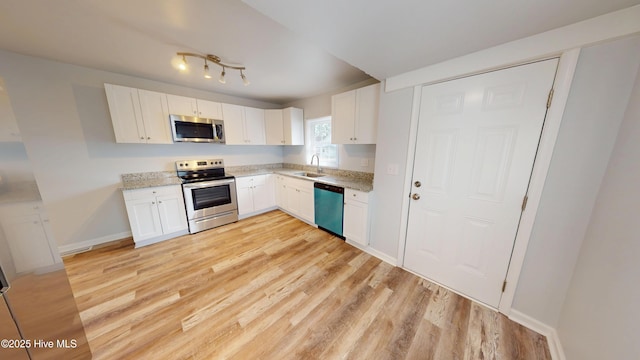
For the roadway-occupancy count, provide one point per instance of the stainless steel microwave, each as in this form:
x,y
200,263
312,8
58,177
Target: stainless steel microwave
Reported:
x,y
195,129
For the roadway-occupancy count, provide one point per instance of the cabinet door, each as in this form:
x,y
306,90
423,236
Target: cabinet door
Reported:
x,y
126,116
28,242
307,209
182,105
244,191
355,221
261,193
273,120
293,122
233,124
173,216
144,219
209,109
281,192
366,120
270,188
292,199
155,115
343,113
254,126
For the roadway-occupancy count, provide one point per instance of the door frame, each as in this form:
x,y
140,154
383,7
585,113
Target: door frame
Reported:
x,y
562,85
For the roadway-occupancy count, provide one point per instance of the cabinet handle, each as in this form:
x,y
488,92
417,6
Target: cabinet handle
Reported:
x,y
35,221
159,202
153,203
148,137
141,137
354,195
355,138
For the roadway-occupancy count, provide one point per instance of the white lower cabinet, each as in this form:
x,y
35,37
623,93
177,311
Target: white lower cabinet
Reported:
x,y
255,193
299,198
156,213
28,234
356,216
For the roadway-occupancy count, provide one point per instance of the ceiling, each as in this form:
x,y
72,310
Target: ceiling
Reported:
x,y
321,46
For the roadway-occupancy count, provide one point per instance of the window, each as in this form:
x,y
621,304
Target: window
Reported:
x,y
319,142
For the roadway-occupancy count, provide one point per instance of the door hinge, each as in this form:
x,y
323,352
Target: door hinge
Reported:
x,y
550,98
504,285
524,202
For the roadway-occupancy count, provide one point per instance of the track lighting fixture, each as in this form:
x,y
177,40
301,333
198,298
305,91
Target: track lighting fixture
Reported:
x,y
183,64
214,59
222,80
206,70
245,81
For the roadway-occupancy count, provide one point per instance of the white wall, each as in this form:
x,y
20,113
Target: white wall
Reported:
x,y
350,156
601,316
65,123
391,149
599,94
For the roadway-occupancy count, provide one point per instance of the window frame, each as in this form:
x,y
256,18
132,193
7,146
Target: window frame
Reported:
x,y
311,145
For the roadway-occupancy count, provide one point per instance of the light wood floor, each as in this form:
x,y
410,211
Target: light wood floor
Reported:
x,y
272,287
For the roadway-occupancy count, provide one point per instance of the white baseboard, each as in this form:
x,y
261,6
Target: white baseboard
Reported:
x,y
555,347
89,244
371,251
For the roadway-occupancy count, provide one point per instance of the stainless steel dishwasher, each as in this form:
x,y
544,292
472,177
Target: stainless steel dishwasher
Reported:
x,y
329,207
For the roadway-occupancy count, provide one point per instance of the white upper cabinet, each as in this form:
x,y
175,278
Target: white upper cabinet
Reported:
x,y
285,127
254,126
209,109
354,116
182,105
243,125
155,117
274,126
138,116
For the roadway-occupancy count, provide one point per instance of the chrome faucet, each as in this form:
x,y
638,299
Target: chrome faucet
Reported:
x,y
318,169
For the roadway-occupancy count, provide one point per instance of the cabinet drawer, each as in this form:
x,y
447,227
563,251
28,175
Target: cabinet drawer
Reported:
x,y
350,194
244,182
152,192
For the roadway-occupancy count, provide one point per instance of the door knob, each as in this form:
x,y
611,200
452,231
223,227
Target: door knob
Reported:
x,y
415,196
417,183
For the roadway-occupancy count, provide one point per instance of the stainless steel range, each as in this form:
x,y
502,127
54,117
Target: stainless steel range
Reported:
x,y
209,195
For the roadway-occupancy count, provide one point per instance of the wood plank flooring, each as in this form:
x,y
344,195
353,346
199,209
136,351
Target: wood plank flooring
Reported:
x,y
273,287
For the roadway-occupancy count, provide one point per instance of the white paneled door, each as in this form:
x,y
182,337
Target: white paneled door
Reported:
x,y
476,143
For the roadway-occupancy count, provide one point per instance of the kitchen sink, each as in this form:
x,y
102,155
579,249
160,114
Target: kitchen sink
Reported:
x,y
308,174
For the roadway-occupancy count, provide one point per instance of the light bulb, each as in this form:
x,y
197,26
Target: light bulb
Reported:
x,y
222,79
206,71
183,65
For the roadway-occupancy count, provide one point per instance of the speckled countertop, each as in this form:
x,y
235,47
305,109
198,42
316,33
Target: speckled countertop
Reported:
x,y
347,179
355,180
149,179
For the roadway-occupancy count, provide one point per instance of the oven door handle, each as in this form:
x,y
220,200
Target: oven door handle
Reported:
x,y
205,184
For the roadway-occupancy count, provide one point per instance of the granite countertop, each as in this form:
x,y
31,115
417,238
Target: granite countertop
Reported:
x,y
345,179
149,179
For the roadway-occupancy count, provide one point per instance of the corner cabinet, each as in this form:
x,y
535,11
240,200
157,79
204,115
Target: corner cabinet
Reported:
x,y
243,125
356,216
138,116
156,214
284,127
354,116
